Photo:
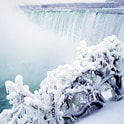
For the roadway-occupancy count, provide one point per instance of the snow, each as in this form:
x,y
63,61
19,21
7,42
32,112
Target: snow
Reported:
x,y
111,113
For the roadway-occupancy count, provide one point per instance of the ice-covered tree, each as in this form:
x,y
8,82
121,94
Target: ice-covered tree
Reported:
x,y
69,91
120,2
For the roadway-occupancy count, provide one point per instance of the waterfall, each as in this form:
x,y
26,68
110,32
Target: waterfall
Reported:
x,y
27,51
90,25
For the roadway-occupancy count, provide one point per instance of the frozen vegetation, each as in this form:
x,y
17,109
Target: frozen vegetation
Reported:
x,y
69,92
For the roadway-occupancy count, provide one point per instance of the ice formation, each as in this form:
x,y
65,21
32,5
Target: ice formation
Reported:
x,y
61,93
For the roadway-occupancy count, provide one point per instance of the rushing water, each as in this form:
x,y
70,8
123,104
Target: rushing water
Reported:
x,y
90,25
30,52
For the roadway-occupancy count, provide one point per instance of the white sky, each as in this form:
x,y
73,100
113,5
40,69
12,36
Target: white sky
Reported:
x,y
55,1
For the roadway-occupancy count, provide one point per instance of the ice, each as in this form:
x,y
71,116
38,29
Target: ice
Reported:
x,y
107,94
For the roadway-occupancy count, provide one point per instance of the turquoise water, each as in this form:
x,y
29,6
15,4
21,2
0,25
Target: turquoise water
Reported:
x,y
3,101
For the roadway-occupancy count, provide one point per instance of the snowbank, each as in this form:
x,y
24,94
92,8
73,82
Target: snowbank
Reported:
x,y
112,113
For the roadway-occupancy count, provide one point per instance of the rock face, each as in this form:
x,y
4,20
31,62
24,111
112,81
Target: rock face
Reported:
x,y
69,92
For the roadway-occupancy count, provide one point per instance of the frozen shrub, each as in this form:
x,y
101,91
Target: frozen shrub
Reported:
x,y
69,91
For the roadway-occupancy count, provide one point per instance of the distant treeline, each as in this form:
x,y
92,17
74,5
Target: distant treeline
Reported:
x,y
83,5
73,5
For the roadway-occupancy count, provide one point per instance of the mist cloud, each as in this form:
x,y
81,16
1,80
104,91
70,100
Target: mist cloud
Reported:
x,y
25,49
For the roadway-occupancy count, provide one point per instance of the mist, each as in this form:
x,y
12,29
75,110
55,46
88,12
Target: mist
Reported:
x,y
27,50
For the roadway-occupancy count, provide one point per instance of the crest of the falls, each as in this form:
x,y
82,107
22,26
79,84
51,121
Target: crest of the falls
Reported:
x,y
88,25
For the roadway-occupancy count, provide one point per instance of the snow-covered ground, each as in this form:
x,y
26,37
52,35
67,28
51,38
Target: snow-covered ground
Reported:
x,y
111,113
